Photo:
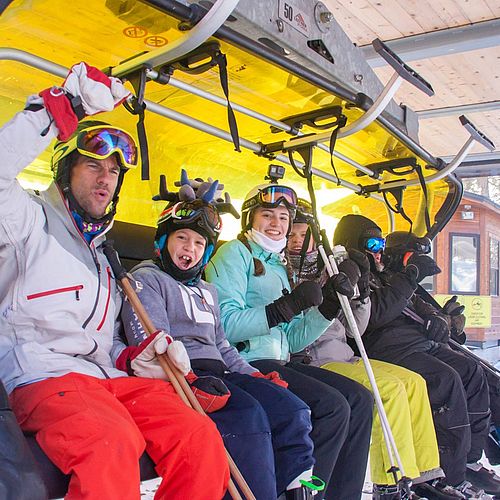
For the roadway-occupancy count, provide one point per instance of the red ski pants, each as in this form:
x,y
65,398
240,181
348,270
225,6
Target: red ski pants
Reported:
x,y
96,430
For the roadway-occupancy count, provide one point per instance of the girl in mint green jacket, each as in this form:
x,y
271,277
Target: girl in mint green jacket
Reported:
x,y
265,321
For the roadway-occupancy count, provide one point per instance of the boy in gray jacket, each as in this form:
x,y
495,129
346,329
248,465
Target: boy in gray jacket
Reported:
x,y
264,426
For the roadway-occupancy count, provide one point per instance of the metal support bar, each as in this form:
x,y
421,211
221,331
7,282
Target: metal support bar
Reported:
x,y
478,165
438,43
8,54
61,71
245,143
475,136
153,75
377,107
478,107
210,23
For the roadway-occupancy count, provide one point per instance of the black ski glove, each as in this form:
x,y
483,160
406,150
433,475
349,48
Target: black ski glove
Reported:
x,y
455,310
419,266
331,304
351,270
282,310
364,267
436,328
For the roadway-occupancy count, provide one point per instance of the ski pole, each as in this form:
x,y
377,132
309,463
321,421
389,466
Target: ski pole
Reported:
x,y
174,376
332,269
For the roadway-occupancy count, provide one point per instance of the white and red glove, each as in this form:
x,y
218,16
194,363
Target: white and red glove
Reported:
x,y
274,377
85,92
141,360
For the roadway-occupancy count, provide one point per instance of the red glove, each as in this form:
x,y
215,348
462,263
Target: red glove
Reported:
x,y
274,377
85,92
211,392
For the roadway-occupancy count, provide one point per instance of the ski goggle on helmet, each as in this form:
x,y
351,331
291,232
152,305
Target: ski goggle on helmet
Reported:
x,y
195,214
270,196
100,142
374,244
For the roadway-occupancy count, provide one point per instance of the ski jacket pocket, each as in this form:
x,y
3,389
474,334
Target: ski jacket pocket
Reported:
x,y
46,293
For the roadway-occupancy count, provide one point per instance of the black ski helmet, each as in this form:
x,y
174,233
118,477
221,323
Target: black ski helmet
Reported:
x,y
353,231
399,243
197,215
95,139
304,213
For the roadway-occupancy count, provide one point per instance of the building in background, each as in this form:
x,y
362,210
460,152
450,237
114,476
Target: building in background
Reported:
x,y
468,252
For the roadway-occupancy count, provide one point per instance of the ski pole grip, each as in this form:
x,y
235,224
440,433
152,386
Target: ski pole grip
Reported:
x,y
112,256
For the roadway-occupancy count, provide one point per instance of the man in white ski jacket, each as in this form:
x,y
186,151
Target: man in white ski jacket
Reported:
x,y
59,347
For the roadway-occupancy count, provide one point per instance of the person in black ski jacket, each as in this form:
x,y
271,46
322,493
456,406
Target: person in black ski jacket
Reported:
x,y
400,245
405,330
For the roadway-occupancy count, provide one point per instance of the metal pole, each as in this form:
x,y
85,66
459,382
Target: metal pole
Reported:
x,y
332,269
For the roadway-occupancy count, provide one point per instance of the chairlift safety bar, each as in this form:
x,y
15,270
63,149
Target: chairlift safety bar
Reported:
x,y
475,135
401,72
154,75
58,70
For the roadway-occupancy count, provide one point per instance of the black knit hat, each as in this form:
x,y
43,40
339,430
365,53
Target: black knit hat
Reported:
x,y
353,230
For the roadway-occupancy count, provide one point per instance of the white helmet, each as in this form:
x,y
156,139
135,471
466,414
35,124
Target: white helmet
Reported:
x,y
267,196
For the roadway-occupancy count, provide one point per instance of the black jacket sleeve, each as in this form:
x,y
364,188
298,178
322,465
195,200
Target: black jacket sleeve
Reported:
x,y
389,296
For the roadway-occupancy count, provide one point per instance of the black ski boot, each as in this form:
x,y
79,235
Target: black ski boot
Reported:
x,y
302,493
307,491
438,489
483,479
492,449
386,492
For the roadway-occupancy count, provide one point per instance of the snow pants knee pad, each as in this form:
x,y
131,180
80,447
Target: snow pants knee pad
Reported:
x,y
20,478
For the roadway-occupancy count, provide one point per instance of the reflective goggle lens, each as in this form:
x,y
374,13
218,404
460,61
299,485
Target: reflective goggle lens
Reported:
x,y
101,142
274,195
375,245
194,210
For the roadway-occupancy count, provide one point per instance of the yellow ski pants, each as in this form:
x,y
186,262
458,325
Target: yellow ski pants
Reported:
x,y
406,403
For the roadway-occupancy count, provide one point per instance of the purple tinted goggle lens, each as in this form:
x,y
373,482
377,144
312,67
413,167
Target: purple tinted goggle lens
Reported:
x,y
100,143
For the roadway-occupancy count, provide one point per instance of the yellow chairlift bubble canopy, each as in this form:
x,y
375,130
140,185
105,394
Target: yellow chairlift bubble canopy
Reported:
x,y
105,33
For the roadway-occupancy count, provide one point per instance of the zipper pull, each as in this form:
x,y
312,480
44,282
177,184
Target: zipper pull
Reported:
x,y
96,262
77,293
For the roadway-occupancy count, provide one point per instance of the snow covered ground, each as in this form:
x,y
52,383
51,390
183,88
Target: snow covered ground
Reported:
x,y
148,488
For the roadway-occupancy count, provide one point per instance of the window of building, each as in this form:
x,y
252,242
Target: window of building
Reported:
x,y
464,253
494,260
